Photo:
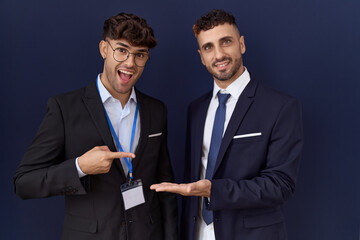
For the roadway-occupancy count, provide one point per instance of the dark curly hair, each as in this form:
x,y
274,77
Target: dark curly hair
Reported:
x,y
212,19
130,27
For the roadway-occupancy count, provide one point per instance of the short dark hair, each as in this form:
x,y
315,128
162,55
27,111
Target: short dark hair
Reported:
x,y
212,19
130,27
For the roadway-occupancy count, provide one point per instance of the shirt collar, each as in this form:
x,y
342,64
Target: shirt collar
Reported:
x,y
105,95
236,87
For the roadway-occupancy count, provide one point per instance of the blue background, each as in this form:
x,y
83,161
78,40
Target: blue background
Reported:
x,y
307,48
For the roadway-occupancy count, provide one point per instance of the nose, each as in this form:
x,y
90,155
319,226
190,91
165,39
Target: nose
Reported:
x,y
219,53
130,61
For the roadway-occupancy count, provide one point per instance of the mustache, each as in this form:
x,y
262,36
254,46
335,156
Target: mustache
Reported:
x,y
221,60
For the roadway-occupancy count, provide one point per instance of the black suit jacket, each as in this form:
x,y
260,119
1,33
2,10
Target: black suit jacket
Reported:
x,y
256,168
75,123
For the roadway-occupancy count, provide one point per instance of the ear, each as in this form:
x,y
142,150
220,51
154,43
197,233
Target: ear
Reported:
x,y
202,60
103,48
242,45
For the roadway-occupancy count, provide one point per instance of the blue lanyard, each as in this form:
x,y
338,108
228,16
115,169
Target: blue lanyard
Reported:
x,y
127,160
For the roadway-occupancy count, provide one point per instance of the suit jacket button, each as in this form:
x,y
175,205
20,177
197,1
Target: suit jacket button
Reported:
x,y
195,218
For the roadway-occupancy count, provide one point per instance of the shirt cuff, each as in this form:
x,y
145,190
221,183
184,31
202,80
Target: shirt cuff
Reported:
x,y
80,173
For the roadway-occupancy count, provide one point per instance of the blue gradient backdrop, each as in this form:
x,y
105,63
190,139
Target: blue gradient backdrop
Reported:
x,y
309,49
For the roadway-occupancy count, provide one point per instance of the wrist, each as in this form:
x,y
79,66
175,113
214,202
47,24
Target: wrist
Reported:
x,y
80,172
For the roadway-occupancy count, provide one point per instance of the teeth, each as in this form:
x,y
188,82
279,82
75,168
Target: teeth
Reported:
x,y
222,65
126,72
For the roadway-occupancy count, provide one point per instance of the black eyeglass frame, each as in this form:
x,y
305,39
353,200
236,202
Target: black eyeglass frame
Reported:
x,y
128,54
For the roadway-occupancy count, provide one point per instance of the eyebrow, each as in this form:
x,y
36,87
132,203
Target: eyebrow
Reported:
x,y
221,39
127,46
225,38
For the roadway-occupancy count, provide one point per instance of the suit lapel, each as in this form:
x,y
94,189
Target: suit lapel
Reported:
x,y
144,114
96,110
242,106
198,130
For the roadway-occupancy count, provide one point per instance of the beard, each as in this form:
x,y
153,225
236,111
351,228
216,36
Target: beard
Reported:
x,y
223,75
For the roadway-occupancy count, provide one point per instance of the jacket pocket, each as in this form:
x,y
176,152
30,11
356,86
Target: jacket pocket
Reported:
x,y
242,138
263,219
80,224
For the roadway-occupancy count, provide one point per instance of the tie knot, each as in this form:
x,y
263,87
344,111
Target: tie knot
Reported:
x,y
223,97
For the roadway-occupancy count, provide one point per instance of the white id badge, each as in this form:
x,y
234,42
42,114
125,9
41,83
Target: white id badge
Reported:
x,y
132,193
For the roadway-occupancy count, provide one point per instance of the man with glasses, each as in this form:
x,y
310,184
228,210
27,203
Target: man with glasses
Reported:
x,y
102,146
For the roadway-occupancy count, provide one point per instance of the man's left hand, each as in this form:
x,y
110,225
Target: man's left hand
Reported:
x,y
201,188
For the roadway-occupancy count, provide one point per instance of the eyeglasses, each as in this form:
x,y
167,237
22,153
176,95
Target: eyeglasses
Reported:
x,y
122,54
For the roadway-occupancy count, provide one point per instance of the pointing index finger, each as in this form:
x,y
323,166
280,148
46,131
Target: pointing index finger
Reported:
x,y
120,155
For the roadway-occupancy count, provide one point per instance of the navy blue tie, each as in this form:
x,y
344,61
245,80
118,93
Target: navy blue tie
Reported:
x,y
216,138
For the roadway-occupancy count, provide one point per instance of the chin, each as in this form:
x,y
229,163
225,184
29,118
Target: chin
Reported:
x,y
123,90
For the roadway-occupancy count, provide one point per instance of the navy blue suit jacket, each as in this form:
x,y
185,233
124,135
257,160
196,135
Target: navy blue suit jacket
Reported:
x,y
253,176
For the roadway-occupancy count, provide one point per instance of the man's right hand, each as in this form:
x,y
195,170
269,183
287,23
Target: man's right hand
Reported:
x,y
99,160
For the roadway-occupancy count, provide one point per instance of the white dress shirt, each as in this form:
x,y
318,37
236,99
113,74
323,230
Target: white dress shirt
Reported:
x,y
206,232
122,121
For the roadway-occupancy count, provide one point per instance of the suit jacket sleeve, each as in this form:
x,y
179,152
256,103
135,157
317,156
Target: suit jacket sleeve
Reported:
x,y
43,171
275,182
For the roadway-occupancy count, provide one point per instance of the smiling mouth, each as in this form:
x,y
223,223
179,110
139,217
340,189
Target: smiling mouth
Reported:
x,y
221,65
125,76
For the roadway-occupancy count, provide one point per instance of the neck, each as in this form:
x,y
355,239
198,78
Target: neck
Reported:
x,y
226,83
122,97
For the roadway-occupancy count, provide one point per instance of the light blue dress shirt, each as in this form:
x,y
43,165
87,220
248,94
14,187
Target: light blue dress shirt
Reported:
x,y
122,121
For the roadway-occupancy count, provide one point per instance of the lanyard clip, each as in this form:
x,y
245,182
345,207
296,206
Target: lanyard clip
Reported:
x,y
131,177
